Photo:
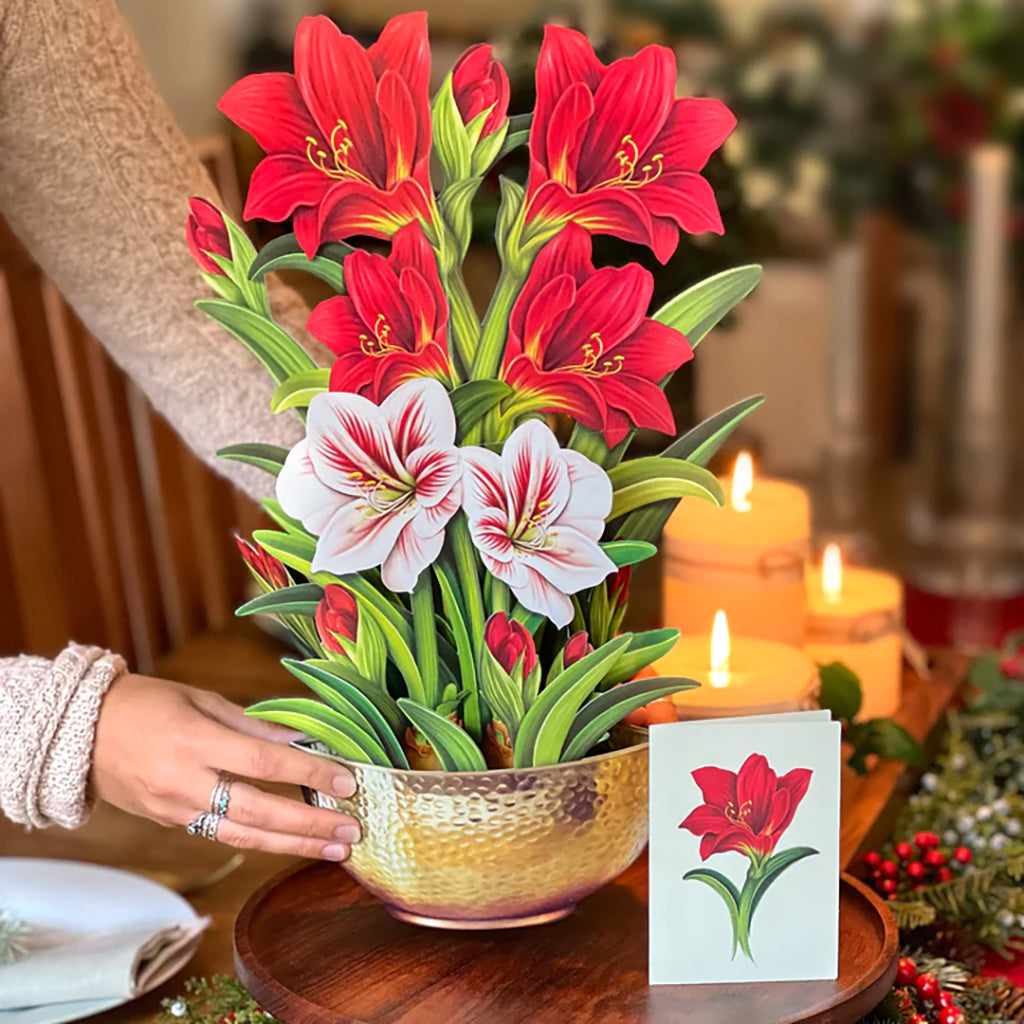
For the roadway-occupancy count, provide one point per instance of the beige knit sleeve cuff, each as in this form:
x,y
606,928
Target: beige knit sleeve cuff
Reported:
x,y
50,720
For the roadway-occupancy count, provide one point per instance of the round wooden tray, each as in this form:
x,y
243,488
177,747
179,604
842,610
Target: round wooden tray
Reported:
x,y
313,948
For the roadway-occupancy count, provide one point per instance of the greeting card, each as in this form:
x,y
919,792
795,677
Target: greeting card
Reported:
x,y
744,850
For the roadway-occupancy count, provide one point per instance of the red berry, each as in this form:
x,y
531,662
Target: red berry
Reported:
x,y
888,869
962,855
918,1018
876,875
906,972
872,859
904,851
1012,667
926,840
950,1015
887,885
944,875
927,986
935,858
915,869
945,999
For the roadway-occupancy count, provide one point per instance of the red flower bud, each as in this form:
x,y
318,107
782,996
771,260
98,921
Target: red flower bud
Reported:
x,y
509,641
206,234
337,615
267,567
578,646
617,586
479,82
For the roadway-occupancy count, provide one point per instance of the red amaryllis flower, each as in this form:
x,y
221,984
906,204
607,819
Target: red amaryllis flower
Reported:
x,y
747,810
266,567
576,647
580,342
337,616
347,136
611,148
392,324
509,640
480,83
207,235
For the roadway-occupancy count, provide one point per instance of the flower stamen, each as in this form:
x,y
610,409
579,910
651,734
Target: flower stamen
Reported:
x,y
628,157
339,153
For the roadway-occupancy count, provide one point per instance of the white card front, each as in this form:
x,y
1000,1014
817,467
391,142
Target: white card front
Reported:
x,y
744,851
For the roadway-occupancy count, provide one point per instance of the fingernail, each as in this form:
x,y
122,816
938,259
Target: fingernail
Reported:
x,y
334,851
347,833
344,785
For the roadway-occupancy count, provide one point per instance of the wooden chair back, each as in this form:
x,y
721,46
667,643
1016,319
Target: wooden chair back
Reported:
x,y
111,531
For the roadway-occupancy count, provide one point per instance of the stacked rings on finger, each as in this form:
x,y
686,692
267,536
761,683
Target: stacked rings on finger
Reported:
x,y
221,796
205,825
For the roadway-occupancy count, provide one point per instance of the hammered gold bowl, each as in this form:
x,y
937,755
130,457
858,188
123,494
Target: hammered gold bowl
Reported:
x,y
496,849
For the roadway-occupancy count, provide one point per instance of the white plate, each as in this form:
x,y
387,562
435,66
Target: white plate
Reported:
x,y
67,895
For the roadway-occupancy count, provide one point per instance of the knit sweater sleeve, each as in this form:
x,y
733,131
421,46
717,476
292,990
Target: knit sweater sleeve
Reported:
x,y
48,712
94,179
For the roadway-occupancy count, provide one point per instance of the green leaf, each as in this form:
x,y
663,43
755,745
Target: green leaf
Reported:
x,y
726,889
641,482
456,617
607,709
300,599
773,868
243,254
273,509
350,701
285,253
644,648
451,142
700,444
263,456
503,694
547,723
531,621
628,552
474,399
294,550
889,740
298,391
399,649
454,747
840,691
700,308
512,196
281,354
513,140
374,690
488,148
323,724
456,203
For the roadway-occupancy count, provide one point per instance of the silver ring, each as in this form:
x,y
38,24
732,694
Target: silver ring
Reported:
x,y
221,796
205,825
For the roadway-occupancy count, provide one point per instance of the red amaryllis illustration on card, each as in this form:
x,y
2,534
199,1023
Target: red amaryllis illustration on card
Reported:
x,y
746,811
452,568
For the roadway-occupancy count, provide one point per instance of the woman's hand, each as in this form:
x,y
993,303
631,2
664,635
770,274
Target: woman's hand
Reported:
x,y
159,749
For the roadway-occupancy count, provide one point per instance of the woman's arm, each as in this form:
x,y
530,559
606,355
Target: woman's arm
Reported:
x,y
95,178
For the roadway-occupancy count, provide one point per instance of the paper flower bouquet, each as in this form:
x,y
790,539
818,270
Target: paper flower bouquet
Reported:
x,y
454,575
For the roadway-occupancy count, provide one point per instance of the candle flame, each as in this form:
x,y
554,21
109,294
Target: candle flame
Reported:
x,y
832,573
720,650
742,482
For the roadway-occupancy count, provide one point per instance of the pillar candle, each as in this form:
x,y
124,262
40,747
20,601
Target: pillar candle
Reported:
x,y
746,558
751,677
854,616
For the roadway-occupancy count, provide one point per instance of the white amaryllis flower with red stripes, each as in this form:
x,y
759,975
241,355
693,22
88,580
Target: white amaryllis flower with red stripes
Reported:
x,y
376,484
536,513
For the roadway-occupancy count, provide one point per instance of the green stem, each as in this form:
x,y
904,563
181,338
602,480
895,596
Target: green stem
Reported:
x,y
487,360
500,599
469,579
465,323
746,911
425,634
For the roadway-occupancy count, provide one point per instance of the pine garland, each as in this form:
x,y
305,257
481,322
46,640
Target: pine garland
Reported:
x,y
216,1000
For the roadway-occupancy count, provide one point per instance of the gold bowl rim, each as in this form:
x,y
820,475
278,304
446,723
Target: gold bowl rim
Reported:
x,y
490,773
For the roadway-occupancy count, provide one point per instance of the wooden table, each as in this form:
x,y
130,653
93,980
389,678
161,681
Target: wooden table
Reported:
x,y
111,837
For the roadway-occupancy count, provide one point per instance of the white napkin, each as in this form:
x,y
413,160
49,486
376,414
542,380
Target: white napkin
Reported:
x,y
67,967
